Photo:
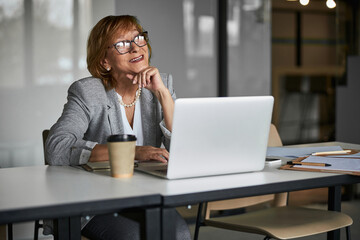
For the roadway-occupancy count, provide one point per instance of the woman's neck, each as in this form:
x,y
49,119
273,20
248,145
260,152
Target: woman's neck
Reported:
x,y
125,87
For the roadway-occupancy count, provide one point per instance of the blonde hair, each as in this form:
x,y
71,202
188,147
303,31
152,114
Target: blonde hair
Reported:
x,y
101,36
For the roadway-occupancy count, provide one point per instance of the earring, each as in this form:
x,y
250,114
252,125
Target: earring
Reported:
x,y
108,69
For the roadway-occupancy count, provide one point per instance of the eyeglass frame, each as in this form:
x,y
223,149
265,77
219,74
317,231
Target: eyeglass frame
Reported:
x,y
132,41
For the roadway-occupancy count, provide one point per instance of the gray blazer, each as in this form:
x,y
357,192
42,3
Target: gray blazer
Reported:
x,y
91,114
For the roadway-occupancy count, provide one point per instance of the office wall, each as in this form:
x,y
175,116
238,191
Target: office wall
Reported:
x,y
43,50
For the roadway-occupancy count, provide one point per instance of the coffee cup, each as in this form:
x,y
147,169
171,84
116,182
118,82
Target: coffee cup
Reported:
x,y
121,155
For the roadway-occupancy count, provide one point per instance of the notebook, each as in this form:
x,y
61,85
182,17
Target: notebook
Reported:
x,y
97,166
215,136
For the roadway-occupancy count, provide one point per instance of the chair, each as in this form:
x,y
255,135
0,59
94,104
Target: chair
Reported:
x,y
6,231
45,134
278,221
2,231
39,225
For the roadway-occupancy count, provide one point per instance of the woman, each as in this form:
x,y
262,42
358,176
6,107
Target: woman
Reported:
x,y
124,95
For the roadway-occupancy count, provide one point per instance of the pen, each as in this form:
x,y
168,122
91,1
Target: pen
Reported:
x,y
309,164
331,153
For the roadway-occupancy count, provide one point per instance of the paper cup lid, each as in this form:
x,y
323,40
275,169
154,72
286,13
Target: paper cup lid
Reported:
x,y
121,138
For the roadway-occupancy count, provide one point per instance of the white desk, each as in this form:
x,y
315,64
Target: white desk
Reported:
x,y
66,194
271,180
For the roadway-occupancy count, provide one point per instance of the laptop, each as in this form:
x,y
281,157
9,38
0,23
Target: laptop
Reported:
x,y
216,136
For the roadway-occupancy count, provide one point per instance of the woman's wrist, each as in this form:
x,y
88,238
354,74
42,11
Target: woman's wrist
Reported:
x,y
167,104
162,94
99,153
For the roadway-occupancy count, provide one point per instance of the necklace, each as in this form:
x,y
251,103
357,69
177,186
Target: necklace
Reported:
x,y
133,103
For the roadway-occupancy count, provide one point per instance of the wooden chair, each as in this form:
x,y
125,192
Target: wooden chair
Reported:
x,y
278,221
2,231
6,230
39,224
45,134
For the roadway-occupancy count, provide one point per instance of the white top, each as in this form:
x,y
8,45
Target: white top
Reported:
x,y
137,129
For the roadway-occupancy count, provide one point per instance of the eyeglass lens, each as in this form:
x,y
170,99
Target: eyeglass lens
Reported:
x,y
125,46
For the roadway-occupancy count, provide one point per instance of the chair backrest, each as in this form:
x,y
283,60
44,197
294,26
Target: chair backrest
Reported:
x,y
274,137
279,199
45,134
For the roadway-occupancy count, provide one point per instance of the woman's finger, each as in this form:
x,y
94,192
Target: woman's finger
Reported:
x,y
146,153
165,154
149,78
159,158
160,154
144,76
149,73
132,77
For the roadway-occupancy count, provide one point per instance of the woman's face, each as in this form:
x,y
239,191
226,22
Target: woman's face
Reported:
x,y
133,62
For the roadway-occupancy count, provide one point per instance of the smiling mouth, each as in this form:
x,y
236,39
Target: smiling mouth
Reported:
x,y
137,59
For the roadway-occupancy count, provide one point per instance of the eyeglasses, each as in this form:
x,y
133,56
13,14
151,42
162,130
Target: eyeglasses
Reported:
x,y
125,46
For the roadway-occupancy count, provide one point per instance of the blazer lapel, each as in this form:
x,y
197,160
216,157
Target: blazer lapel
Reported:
x,y
148,113
114,114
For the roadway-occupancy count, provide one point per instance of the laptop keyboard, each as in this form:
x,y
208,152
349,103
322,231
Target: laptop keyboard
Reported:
x,y
162,171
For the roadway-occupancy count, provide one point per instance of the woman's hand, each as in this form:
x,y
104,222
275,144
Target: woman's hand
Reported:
x,y
148,78
146,153
142,153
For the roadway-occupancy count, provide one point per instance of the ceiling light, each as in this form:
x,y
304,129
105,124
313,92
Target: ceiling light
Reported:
x,y
330,3
305,2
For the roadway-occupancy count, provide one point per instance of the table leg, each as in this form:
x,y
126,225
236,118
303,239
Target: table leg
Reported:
x,y
75,228
149,220
67,228
61,229
152,226
199,220
10,231
334,204
168,220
